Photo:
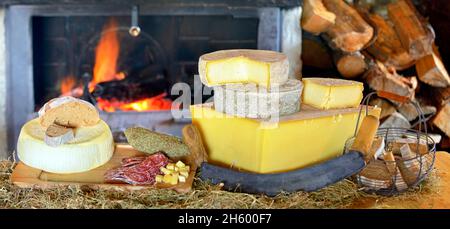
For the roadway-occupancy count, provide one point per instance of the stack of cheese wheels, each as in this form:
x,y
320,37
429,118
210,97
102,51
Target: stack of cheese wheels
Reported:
x,y
250,83
250,87
80,140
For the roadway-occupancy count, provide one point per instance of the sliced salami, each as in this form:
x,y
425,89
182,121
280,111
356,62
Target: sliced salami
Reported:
x,y
138,170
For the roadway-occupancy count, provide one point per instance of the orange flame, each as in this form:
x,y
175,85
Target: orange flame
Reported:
x,y
67,84
106,55
105,69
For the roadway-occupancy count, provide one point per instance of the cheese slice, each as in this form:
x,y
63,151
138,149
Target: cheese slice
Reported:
x,y
249,100
92,147
261,67
327,93
298,140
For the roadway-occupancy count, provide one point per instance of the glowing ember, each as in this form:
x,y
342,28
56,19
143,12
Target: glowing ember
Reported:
x,y
67,84
153,103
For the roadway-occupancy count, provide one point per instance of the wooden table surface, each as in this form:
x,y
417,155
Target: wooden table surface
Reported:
x,y
438,199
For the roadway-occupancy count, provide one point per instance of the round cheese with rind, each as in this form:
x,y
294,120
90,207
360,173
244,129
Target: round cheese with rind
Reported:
x,y
92,147
251,101
262,67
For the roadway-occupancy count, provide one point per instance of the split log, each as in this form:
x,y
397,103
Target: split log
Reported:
x,y
316,18
396,120
409,111
445,144
387,109
315,52
431,70
441,120
387,48
441,96
351,32
436,96
414,36
441,99
381,78
350,65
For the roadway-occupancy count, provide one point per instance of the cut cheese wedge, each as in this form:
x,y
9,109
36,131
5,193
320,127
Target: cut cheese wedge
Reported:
x,y
249,100
327,93
299,140
262,67
92,147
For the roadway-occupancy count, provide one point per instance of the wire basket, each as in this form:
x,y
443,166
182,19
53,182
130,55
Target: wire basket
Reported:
x,y
407,156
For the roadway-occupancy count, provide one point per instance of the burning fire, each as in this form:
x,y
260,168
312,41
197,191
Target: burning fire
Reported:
x,y
67,84
105,69
106,56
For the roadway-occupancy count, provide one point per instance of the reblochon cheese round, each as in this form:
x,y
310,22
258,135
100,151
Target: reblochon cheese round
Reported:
x,y
251,101
262,67
92,147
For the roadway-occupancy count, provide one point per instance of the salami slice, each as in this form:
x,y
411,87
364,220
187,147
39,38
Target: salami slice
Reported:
x,y
138,170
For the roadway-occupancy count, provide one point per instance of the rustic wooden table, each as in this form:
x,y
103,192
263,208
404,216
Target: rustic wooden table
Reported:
x,y
435,194
435,200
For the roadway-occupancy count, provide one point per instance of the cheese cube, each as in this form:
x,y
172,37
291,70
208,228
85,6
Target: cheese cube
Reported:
x,y
165,170
184,169
167,178
159,178
327,93
296,141
174,179
180,164
184,173
261,67
170,166
182,179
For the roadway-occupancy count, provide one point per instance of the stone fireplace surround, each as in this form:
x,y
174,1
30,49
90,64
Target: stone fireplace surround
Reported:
x,y
7,140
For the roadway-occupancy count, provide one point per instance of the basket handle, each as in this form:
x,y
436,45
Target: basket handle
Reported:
x,y
392,96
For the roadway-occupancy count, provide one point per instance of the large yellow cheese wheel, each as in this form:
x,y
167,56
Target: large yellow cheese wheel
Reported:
x,y
92,147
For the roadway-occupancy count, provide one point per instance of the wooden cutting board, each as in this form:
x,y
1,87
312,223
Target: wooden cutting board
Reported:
x,y
28,177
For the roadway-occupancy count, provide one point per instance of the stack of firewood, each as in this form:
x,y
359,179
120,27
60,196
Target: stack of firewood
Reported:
x,y
390,48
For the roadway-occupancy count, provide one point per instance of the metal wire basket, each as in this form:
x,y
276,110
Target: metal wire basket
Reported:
x,y
394,174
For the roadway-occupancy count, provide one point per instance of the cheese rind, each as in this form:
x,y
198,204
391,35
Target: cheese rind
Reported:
x,y
249,100
299,140
262,67
327,93
87,151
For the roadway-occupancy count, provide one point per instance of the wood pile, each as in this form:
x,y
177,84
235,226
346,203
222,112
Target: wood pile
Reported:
x,y
390,47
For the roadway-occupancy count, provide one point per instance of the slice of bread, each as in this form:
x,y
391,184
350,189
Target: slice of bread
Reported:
x,y
68,111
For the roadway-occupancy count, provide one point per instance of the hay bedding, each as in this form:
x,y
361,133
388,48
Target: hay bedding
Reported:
x,y
203,195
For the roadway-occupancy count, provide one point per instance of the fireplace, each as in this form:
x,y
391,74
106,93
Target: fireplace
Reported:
x,y
70,49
